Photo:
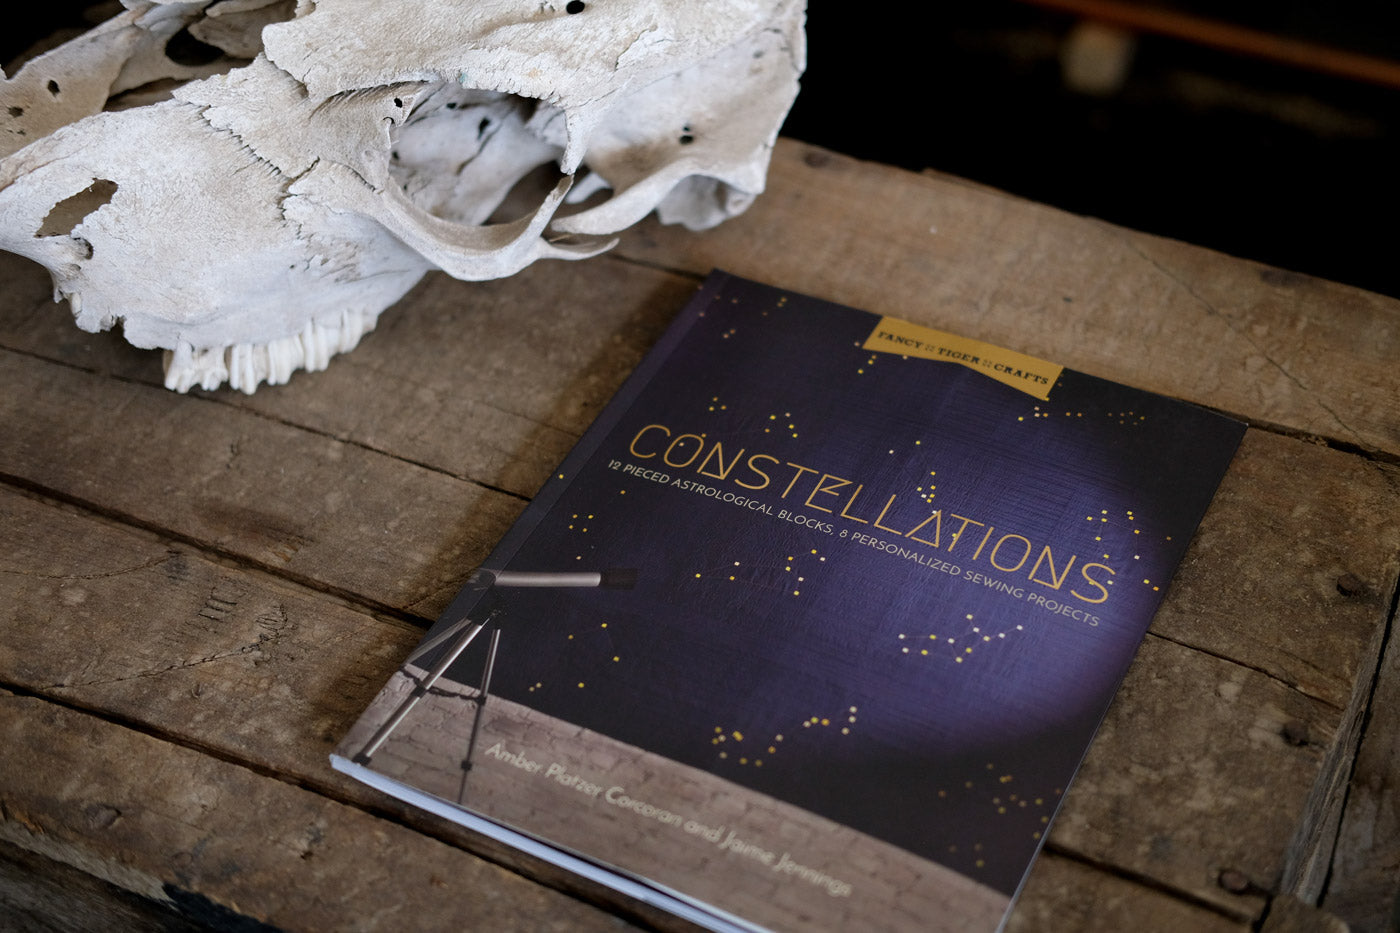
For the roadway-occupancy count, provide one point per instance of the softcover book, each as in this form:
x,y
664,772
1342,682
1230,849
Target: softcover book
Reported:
x,y
812,628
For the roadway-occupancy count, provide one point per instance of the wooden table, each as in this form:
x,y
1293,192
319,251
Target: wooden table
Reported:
x,y
200,593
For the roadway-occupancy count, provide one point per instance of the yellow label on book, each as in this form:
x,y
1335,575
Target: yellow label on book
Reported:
x,y
1030,375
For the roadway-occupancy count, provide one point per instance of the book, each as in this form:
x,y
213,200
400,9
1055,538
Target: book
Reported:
x,y
812,628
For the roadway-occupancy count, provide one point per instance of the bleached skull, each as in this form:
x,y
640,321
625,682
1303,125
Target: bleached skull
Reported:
x,y
249,183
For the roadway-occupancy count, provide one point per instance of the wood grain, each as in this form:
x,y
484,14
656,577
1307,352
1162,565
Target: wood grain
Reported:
x,y
490,381
1278,348
39,895
182,826
1293,568
268,672
1364,886
308,506
1065,896
213,586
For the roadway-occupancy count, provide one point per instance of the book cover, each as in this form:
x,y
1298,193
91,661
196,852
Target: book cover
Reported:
x,y
812,628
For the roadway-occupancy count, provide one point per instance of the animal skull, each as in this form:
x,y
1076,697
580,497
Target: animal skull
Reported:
x,y
249,183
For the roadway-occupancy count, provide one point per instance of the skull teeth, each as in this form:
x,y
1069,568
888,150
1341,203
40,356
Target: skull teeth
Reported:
x,y
245,366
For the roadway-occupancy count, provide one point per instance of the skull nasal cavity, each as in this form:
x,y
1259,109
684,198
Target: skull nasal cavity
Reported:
x,y
68,213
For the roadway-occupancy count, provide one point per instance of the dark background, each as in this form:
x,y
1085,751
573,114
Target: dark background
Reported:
x,y
1275,162
1281,164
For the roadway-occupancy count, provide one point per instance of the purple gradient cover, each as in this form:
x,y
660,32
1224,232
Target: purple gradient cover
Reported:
x,y
890,591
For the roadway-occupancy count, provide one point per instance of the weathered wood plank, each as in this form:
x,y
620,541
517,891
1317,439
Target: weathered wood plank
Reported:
x,y
309,506
1194,774
1301,473
1293,567
491,381
1299,608
218,656
1310,854
1289,578
1279,348
39,895
1297,553
1309,460
1276,565
152,631
175,825
222,658
264,672
1364,886
1064,896
1273,579
1291,915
